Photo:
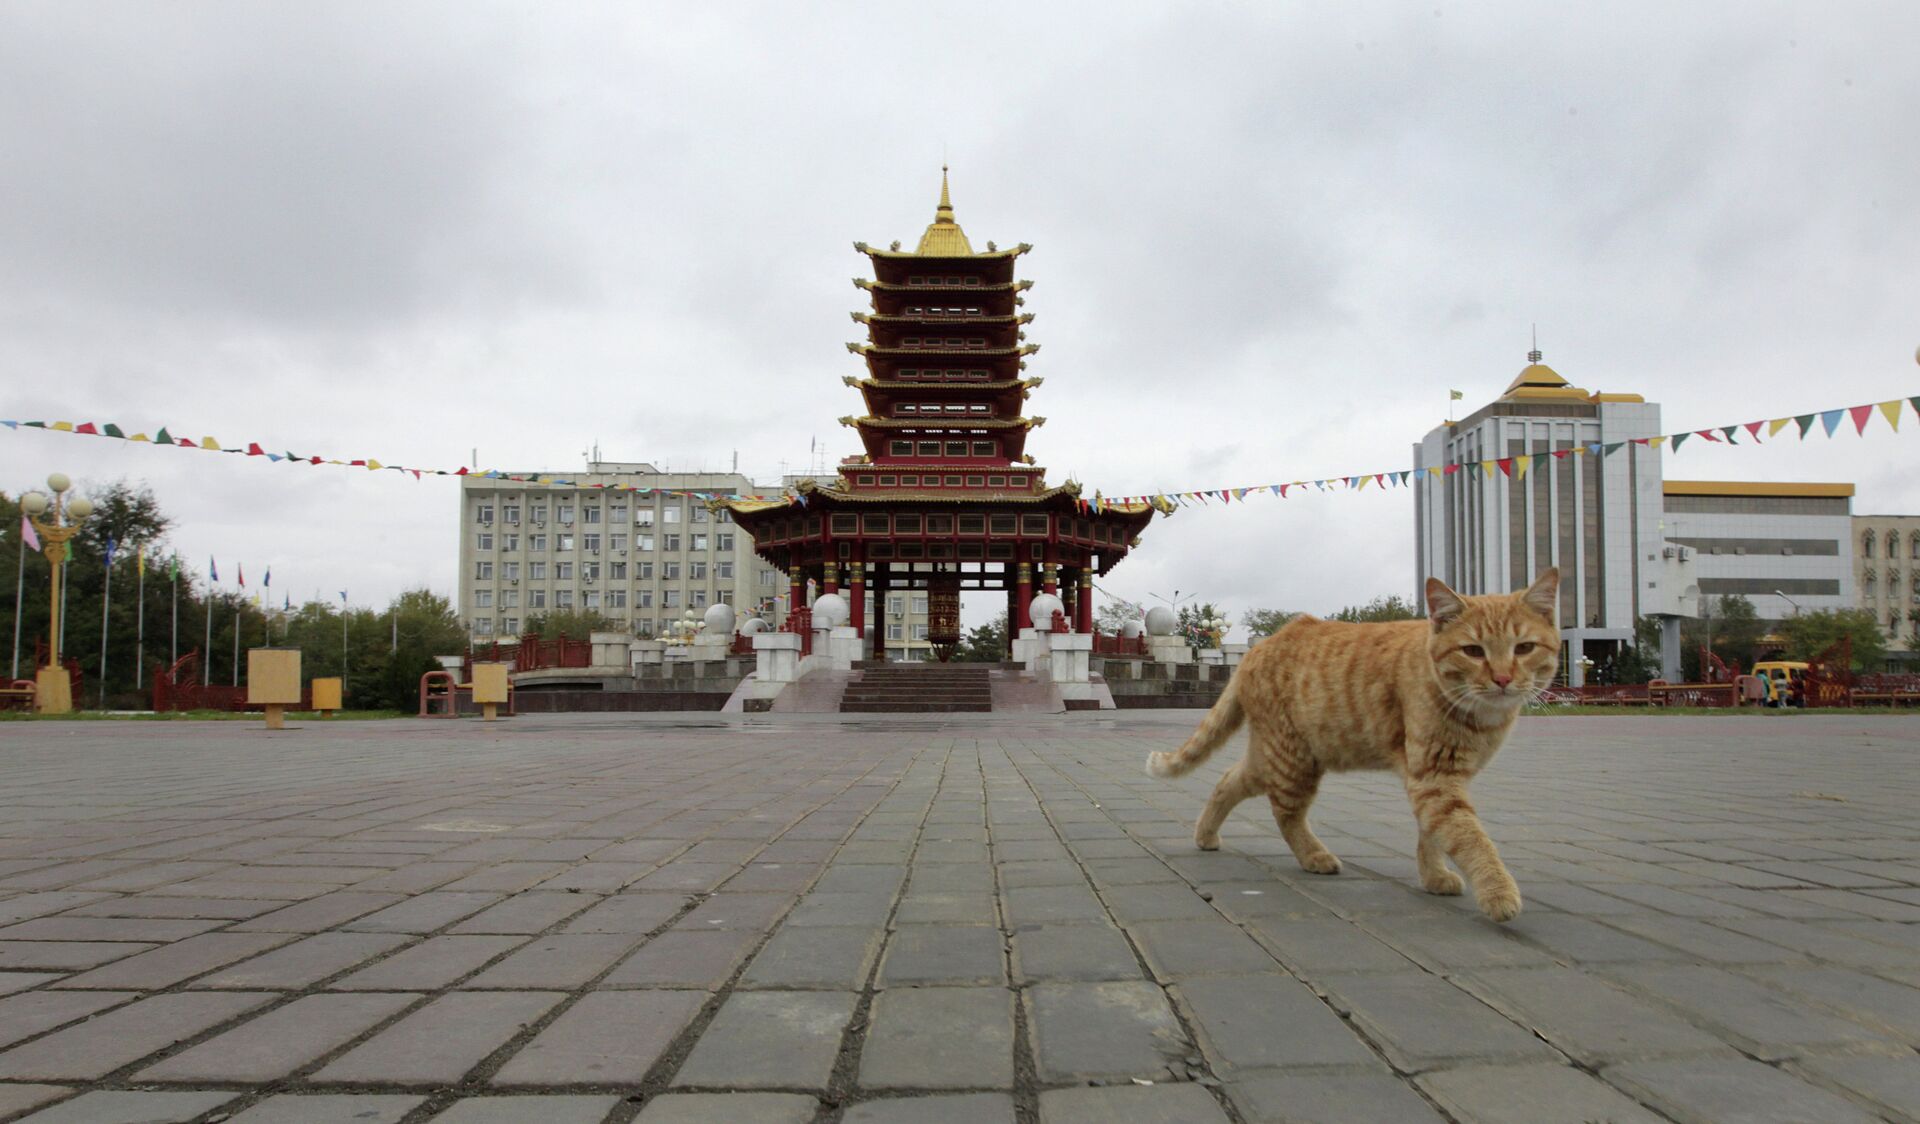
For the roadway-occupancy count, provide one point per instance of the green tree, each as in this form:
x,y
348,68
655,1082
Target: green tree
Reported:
x,y
1266,622
1391,607
985,644
1111,616
1809,634
571,624
1731,628
1187,623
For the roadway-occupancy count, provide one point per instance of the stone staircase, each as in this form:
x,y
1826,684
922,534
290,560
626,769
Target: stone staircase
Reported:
x,y
918,688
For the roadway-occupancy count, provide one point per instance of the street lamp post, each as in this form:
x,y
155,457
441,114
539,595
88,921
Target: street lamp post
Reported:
x,y
1788,600
53,687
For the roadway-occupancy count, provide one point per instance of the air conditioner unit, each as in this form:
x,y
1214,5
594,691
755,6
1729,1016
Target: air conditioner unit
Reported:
x,y
595,550
513,581
1686,554
566,522
486,522
1667,553
621,553
539,522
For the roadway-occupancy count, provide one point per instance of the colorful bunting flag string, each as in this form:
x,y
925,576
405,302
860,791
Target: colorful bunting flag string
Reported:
x,y
1514,467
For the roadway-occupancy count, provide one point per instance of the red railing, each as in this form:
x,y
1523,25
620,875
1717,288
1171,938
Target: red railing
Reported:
x,y
1886,687
1630,694
800,622
179,688
1104,645
742,644
1693,694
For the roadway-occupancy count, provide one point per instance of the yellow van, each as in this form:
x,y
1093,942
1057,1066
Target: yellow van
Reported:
x,y
1782,677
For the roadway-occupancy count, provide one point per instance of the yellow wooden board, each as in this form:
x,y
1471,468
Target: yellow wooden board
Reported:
x,y
489,683
326,693
273,676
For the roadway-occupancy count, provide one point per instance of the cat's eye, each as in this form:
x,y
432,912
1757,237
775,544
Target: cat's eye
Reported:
x,y
1524,647
1474,651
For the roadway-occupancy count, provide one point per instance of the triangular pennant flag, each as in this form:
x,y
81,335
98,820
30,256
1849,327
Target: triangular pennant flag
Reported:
x,y
1706,433
373,464
163,437
1379,479
1611,447
315,460
1805,422
275,457
1561,454
1892,412
112,430
1362,485
462,471
1643,440
1278,490
1450,469
1283,490
1731,431
357,464
1916,404
1506,466
1861,416
186,443
210,443
1831,420
1753,429
64,427
1437,470
1776,425
141,437
1520,465
254,449
1679,439
1404,475
87,428
1655,442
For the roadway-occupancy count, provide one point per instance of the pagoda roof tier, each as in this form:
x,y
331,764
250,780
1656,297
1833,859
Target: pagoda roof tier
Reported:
x,y
916,255
955,423
1015,286
909,352
939,386
940,318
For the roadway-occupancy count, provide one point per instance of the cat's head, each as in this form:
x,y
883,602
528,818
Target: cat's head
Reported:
x,y
1494,652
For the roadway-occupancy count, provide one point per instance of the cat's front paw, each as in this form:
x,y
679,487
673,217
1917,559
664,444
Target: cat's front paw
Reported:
x,y
1501,903
1322,863
1207,842
1444,882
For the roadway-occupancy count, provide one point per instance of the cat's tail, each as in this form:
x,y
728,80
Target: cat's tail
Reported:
x,y
1219,725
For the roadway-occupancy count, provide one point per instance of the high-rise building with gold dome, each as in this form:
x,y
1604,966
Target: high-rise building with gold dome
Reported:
x,y
1566,506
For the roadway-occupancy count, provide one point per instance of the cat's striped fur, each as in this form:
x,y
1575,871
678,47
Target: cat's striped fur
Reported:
x,y
1431,700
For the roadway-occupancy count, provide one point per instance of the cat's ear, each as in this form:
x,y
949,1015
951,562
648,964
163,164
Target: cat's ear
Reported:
x,y
1443,604
1543,596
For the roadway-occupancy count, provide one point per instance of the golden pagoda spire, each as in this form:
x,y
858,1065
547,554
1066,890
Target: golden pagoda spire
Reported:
x,y
944,238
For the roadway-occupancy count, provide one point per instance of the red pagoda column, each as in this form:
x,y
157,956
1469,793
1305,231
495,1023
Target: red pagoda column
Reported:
x,y
1083,607
1050,578
1069,589
830,578
796,589
879,580
857,591
1022,597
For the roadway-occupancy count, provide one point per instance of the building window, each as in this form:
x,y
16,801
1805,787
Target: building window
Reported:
x,y
670,514
563,598
723,570
509,599
590,599
483,541
537,542
700,513
919,632
510,571
643,598
670,571
920,605
669,599
643,542
769,577
563,571
616,542
697,599
617,513
616,598
699,543
483,571
483,627
510,626
537,513
563,541
644,571
483,598
896,632
723,542
591,515
590,571
536,599
510,513
483,513
670,543
537,571
895,606
697,571
617,571
643,517
510,543
1866,545
591,542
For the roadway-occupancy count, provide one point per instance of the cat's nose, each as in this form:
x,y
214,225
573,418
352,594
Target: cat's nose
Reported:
x,y
1502,680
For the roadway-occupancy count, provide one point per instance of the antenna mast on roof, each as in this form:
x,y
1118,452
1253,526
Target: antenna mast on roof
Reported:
x,y
1534,355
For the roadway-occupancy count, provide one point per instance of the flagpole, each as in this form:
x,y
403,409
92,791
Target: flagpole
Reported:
x,y
206,653
140,619
19,591
106,608
239,619
175,650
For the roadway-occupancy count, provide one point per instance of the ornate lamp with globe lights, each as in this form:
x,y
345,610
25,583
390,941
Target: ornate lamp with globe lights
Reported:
x,y
56,519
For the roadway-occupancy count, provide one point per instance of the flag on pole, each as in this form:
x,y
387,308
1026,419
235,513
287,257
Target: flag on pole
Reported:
x,y
213,569
173,568
140,562
26,533
268,580
240,568
109,553
288,607
343,597
1454,396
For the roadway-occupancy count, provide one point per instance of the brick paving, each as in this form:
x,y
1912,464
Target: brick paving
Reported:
x,y
964,918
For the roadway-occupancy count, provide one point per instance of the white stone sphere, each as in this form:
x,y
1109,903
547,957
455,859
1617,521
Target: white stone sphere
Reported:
x,y
1131,630
754,626
829,611
1041,609
1160,621
720,618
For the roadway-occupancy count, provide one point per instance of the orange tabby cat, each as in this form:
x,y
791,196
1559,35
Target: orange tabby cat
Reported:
x,y
1432,700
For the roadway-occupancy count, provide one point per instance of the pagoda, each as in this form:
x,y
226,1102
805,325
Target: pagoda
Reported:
x,y
945,496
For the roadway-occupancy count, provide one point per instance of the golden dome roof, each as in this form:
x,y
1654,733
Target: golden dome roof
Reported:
x,y
1537,380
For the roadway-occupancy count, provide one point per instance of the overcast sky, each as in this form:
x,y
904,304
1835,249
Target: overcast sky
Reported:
x,y
1267,240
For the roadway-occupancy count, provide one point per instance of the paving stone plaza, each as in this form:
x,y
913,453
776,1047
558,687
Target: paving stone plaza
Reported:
x,y
679,919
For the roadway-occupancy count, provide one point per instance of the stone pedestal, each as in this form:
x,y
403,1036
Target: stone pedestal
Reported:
x,y
1213,656
842,647
53,691
1068,656
1234,653
776,657
705,647
1030,648
1169,649
648,652
610,649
